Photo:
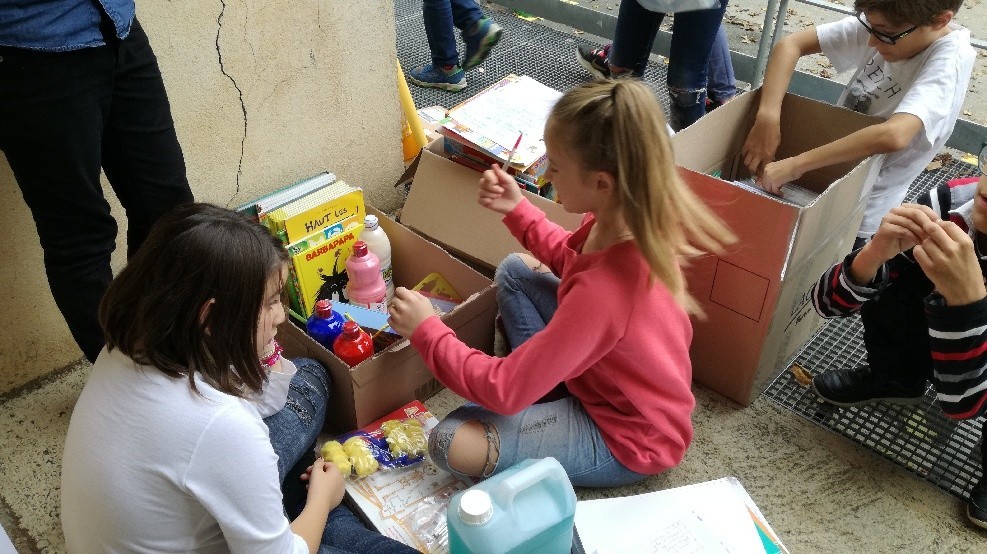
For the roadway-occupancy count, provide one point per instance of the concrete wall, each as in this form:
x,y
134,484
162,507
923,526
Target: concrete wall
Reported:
x,y
263,94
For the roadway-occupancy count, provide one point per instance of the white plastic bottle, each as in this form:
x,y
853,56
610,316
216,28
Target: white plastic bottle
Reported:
x,y
380,245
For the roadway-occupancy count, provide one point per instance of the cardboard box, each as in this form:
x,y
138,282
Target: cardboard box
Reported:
x,y
442,205
398,375
757,295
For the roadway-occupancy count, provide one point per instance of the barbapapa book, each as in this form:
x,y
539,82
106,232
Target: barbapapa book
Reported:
x,y
321,267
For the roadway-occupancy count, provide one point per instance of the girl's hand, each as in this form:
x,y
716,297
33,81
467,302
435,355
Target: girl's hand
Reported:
x,y
499,191
325,482
408,310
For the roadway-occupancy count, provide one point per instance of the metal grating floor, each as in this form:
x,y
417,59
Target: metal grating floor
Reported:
x,y
918,438
526,48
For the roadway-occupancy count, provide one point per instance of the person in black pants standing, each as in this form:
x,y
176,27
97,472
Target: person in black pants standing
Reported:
x,y
80,91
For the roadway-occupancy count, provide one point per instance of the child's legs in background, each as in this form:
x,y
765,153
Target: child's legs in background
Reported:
x,y
693,34
721,83
634,37
442,17
465,14
475,441
439,30
527,295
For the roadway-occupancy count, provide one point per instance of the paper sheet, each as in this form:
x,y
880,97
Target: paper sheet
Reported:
x,y
716,517
502,112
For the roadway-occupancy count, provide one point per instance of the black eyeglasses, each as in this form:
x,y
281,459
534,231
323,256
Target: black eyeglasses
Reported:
x,y
982,160
886,39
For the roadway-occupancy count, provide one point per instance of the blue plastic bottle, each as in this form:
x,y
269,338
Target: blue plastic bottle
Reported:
x,y
325,324
529,507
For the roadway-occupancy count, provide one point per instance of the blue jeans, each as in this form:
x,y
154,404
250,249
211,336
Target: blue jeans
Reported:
x,y
63,117
293,431
721,83
562,428
442,18
688,59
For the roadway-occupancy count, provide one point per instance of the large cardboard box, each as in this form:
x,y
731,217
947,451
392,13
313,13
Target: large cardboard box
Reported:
x,y
442,204
398,375
757,295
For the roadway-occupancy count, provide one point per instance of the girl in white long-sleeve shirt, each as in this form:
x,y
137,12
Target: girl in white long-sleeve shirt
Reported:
x,y
191,418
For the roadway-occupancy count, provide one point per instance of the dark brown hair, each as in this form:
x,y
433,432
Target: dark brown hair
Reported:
x,y
908,12
195,254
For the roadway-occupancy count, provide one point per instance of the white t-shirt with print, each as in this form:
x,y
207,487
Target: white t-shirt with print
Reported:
x,y
930,86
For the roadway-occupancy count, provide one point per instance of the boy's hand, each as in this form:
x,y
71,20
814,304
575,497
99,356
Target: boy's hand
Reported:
x,y
761,144
949,260
499,191
408,310
901,228
776,174
325,482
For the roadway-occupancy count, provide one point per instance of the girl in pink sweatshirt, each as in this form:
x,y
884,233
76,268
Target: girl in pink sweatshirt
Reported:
x,y
603,311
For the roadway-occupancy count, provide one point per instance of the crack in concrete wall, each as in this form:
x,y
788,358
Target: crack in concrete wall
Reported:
x,y
243,106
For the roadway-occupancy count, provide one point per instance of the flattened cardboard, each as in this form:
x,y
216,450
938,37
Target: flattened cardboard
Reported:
x,y
398,375
756,295
442,205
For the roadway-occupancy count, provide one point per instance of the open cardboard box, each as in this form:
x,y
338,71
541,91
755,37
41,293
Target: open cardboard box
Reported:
x,y
756,296
398,375
442,205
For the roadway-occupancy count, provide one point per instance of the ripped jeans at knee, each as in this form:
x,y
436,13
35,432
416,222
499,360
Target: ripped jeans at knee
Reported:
x,y
440,442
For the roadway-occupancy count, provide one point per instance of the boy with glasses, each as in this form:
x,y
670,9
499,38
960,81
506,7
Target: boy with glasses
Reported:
x,y
913,66
918,285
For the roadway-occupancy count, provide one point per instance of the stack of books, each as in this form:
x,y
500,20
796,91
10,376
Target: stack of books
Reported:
x,y
317,220
484,129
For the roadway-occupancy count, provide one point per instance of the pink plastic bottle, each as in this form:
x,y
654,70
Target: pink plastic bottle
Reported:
x,y
366,285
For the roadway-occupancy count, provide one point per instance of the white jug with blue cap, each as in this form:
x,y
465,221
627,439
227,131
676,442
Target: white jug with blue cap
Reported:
x,y
529,507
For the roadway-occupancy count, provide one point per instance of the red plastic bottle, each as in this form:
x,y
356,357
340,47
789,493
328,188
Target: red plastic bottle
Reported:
x,y
354,345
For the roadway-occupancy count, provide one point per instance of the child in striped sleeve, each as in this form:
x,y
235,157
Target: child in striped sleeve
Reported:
x,y
919,288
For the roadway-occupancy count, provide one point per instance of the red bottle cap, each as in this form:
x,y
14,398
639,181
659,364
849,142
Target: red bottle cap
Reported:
x,y
351,329
323,308
359,249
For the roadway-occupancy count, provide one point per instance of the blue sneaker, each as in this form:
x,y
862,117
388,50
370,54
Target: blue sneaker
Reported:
x,y
428,75
479,41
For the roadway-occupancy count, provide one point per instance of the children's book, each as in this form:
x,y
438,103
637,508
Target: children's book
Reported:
x,y
706,518
321,268
492,120
314,212
259,208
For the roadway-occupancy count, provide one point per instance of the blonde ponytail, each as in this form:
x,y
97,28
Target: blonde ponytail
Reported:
x,y
618,126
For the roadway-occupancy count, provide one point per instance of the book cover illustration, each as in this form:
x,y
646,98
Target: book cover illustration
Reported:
x,y
321,268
